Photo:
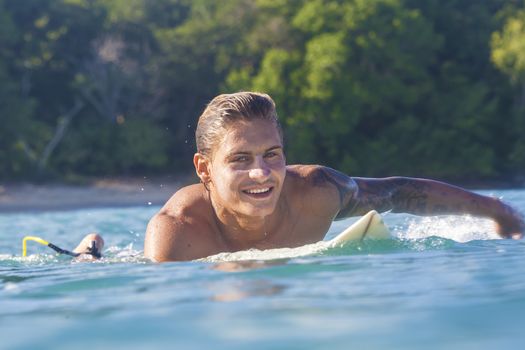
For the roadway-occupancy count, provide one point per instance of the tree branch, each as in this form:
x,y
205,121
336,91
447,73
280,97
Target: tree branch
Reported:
x,y
59,134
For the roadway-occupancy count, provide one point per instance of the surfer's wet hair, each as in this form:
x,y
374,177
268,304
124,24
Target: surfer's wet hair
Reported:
x,y
227,109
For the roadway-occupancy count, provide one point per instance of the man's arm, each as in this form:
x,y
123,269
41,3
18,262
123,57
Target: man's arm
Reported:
x,y
178,238
167,239
160,241
420,197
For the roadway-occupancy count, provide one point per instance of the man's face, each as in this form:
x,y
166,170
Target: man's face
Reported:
x,y
248,168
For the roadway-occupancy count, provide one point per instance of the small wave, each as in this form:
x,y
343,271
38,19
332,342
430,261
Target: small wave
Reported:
x,y
269,254
416,234
394,245
111,255
124,255
457,228
323,248
32,260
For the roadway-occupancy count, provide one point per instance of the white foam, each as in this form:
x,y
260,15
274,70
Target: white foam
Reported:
x,y
458,228
269,254
127,254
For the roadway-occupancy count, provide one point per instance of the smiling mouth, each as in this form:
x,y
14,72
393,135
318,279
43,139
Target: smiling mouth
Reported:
x,y
259,192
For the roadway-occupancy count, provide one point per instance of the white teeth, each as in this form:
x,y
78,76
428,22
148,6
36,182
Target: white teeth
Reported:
x,y
263,190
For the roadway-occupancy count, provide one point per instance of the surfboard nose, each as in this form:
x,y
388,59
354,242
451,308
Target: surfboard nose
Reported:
x,y
370,225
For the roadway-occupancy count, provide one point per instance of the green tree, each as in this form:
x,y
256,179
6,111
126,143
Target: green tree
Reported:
x,y
15,112
372,87
354,70
508,55
84,64
385,86
40,64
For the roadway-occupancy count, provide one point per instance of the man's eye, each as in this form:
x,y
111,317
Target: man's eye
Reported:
x,y
271,154
240,159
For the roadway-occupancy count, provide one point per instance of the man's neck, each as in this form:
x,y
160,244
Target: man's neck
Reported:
x,y
244,232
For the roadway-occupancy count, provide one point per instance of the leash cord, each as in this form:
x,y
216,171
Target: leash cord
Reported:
x,y
91,250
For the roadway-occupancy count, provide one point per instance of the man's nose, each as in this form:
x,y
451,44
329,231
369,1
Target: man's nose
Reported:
x,y
260,170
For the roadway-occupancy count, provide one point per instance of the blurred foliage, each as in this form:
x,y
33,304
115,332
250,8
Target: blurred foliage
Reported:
x,y
372,87
508,54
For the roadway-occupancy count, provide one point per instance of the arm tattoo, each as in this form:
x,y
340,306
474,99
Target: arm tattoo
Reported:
x,y
345,185
357,196
374,194
416,196
412,198
397,194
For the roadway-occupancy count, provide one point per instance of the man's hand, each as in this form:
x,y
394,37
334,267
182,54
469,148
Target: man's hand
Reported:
x,y
509,224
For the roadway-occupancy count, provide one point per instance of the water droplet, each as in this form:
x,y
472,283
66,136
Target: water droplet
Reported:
x,y
10,286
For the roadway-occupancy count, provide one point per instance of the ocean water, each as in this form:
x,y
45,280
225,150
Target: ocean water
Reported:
x,y
442,282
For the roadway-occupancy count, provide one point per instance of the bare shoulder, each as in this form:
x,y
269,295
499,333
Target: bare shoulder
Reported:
x,y
323,187
181,230
320,177
185,200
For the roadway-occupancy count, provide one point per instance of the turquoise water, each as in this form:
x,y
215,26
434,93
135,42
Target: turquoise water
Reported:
x,y
441,283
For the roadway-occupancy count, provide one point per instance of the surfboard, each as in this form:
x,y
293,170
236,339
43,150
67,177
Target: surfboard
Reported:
x,y
369,226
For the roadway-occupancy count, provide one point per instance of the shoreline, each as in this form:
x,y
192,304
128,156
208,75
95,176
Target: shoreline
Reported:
x,y
28,197
116,192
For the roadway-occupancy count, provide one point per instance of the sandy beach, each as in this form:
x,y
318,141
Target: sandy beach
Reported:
x,y
99,193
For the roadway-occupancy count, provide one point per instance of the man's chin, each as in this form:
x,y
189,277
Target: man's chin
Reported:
x,y
259,210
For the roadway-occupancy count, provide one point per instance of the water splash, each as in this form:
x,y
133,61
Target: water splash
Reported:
x,y
30,260
458,228
125,254
431,233
269,254
111,255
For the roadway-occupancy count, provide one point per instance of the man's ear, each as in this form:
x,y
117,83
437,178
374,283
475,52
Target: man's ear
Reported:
x,y
202,167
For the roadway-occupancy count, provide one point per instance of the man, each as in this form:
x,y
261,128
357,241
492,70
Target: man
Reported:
x,y
249,198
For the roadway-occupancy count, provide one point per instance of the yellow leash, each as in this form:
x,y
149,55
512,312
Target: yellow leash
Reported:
x,y
91,250
32,238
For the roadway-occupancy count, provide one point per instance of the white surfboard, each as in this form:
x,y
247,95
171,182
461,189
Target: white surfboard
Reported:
x,y
369,226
